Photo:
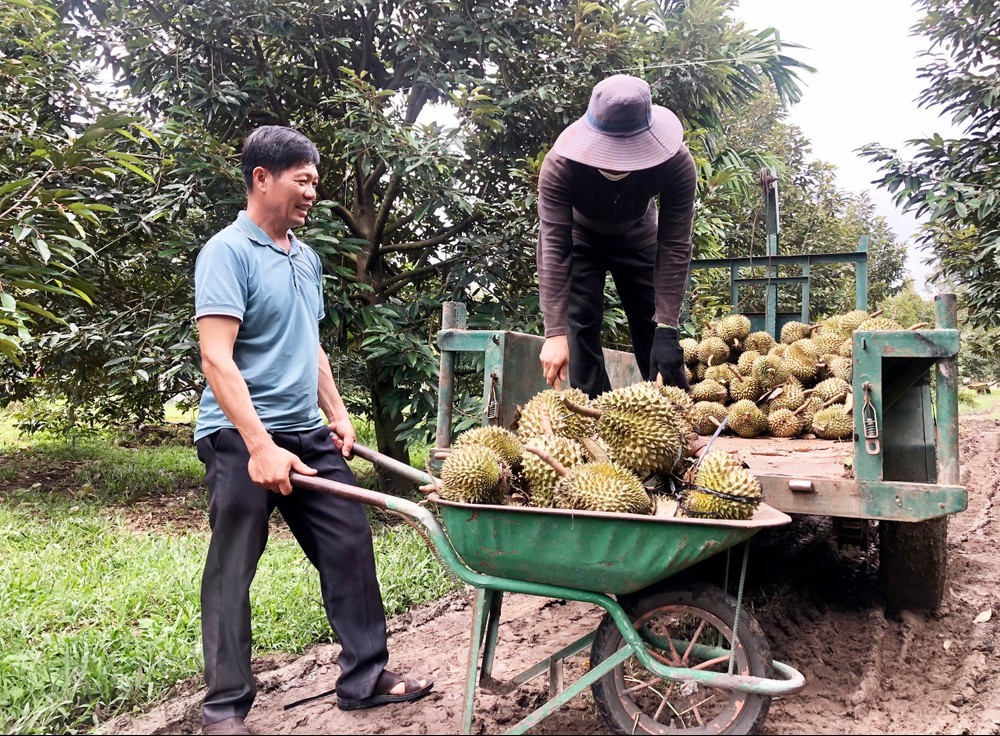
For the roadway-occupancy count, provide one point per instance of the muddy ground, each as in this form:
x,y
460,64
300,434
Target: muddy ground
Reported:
x,y
817,602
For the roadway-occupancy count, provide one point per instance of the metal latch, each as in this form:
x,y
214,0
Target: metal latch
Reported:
x,y
492,406
870,420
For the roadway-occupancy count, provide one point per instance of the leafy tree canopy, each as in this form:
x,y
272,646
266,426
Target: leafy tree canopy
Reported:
x,y
953,181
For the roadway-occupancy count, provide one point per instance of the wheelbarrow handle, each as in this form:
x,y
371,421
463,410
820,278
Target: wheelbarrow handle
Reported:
x,y
402,469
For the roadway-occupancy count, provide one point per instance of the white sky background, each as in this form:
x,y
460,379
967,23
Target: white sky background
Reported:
x,y
863,91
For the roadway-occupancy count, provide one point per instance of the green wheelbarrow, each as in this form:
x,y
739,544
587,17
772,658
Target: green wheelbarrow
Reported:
x,y
664,659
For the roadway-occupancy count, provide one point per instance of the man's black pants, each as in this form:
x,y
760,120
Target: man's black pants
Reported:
x,y
334,534
632,272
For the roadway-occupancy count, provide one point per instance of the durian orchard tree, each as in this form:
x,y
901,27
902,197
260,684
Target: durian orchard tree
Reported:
x,y
954,181
413,212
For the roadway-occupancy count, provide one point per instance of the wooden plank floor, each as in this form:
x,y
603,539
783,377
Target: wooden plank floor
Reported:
x,y
792,458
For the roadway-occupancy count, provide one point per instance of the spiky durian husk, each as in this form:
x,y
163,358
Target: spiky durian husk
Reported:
x,y
713,351
792,396
778,350
808,410
474,474
702,414
840,367
679,398
502,441
744,365
828,342
746,419
792,331
690,347
734,329
770,372
709,390
833,326
759,341
709,329
833,423
565,423
832,389
747,388
541,476
801,358
699,372
879,323
721,374
641,442
846,348
852,320
783,423
689,375
602,486
723,472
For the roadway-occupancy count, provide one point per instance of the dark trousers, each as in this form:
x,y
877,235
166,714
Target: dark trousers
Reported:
x,y
632,272
334,534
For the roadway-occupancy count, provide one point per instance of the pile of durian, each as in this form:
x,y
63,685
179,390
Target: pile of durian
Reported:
x,y
624,452
797,386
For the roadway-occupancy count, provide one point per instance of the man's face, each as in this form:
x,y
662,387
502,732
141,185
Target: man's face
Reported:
x,y
291,194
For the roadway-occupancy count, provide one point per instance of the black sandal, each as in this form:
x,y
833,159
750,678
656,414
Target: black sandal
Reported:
x,y
382,695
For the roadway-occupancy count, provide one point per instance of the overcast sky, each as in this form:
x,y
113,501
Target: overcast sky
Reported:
x,y
863,91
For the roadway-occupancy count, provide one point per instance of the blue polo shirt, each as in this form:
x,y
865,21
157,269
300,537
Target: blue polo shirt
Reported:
x,y
278,298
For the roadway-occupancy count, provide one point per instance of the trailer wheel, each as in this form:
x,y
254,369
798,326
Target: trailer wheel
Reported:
x,y
913,557
632,700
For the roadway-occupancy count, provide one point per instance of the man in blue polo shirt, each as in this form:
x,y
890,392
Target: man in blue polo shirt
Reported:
x,y
258,301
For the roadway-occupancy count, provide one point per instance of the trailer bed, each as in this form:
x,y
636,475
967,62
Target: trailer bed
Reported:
x,y
807,459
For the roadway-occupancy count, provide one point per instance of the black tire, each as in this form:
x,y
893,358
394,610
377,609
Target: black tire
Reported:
x,y
913,562
682,610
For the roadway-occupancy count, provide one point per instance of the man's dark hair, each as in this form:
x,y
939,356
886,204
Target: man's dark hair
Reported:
x,y
277,149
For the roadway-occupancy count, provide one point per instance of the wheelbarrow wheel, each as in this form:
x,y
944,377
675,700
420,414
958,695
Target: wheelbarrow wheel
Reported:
x,y
633,700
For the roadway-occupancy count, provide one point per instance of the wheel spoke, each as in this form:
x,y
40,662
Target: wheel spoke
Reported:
x,y
694,640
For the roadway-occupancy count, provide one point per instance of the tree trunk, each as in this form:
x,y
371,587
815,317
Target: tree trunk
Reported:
x,y
386,422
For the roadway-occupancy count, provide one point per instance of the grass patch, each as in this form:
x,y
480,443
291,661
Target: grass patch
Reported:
x,y
97,619
981,404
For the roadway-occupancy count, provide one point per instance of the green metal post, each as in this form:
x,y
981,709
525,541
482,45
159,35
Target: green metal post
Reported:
x,y
480,613
734,286
805,293
453,317
492,629
861,276
946,378
769,180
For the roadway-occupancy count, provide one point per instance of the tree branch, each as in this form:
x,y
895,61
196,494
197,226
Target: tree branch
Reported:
x,y
433,240
392,285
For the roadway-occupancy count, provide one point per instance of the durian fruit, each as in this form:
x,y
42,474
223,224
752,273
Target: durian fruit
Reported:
x,y
802,358
545,413
779,350
745,387
852,320
760,342
689,375
690,347
832,389
713,351
709,390
502,441
792,331
721,471
474,474
846,348
679,398
784,423
879,323
770,372
791,396
734,329
721,374
709,329
699,372
828,342
746,419
833,423
808,410
840,367
745,363
706,416
541,475
640,427
833,326
602,486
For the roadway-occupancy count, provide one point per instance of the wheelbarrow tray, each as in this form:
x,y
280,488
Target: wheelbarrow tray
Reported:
x,y
588,550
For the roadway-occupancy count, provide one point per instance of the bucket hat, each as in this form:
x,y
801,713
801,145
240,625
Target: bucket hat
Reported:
x,y
623,130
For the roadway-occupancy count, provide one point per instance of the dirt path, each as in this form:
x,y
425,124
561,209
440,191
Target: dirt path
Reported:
x,y
818,606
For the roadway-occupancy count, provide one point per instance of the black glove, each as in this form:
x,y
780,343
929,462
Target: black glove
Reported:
x,y
667,357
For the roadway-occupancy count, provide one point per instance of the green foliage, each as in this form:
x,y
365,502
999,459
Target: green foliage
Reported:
x,y
953,181
908,307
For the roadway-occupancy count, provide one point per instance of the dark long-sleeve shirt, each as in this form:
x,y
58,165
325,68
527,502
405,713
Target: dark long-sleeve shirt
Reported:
x,y
577,202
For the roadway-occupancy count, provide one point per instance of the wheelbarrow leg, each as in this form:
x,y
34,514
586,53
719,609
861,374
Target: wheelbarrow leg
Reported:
x,y
485,620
